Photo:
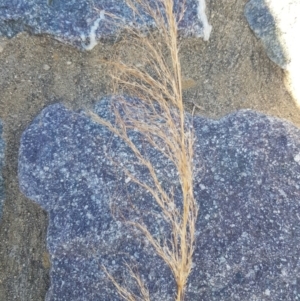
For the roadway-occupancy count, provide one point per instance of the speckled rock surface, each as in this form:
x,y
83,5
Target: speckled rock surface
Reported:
x,y
248,237
82,22
277,24
263,23
1,166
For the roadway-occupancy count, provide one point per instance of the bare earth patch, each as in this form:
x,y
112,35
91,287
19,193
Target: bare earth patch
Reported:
x,y
229,72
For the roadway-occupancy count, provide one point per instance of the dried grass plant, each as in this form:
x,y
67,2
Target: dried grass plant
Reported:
x,y
160,118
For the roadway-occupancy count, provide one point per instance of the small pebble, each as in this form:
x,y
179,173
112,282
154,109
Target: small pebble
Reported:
x,y
46,67
69,63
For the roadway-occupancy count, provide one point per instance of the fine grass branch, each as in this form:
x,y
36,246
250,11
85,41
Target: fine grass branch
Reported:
x,y
160,118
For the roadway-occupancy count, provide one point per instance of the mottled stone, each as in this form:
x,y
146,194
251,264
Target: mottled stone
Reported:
x,y
277,24
1,166
82,23
263,23
248,233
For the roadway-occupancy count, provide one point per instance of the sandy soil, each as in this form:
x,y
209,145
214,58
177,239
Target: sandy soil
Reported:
x,y
228,73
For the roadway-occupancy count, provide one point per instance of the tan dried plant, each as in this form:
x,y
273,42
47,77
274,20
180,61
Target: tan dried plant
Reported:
x,y
160,118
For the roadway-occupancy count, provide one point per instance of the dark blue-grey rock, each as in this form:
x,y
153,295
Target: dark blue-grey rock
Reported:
x,y
81,22
262,21
277,24
1,166
248,231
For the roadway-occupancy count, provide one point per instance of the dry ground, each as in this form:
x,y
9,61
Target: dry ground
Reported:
x,y
228,73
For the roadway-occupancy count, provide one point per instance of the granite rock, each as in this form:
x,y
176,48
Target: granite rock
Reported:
x,y
277,24
263,23
82,23
248,233
1,166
